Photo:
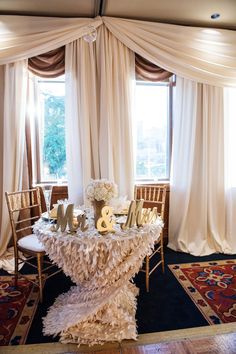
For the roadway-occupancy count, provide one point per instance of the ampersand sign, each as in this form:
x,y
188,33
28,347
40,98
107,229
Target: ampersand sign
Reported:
x,y
105,223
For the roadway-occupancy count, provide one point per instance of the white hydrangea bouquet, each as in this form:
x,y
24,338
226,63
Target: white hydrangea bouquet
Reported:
x,y
101,189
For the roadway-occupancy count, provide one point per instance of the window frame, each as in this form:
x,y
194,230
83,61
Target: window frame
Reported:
x,y
37,163
170,84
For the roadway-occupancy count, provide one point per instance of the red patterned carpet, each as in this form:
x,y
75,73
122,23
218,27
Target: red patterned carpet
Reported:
x,y
211,286
17,308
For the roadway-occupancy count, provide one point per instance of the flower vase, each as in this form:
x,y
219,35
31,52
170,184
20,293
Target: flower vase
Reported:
x,y
97,207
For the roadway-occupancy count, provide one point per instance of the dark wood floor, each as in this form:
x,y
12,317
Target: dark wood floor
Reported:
x,y
218,339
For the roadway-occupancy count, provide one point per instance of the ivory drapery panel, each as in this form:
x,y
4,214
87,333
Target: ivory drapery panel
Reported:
x,y
116,77
197,191
230,166
81,117
13,143
2,191
99,136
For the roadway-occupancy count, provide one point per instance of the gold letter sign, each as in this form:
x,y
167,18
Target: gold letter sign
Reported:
x,y
64,219
139,216
105,222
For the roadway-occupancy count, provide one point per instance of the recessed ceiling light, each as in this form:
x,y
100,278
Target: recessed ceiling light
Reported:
x,y
215,16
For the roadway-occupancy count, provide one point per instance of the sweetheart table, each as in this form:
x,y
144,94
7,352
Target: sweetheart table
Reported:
x,y
102,305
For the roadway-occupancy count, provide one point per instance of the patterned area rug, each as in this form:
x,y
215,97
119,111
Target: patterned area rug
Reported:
x,y
211,286
17,309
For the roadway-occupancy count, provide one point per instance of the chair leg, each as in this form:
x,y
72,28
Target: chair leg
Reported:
x,y
147,273
162,261
39,263
16,268
162,255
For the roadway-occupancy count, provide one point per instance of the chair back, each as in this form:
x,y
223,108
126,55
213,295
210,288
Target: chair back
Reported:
x,y
24,209
153,195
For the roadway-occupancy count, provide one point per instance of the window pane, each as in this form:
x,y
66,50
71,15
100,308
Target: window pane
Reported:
x,y
52,130
152,131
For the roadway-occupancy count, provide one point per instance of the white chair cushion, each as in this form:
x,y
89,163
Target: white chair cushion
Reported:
x,y
31,243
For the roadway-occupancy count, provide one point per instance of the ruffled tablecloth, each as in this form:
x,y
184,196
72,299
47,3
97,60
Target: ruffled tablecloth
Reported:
x,y
102,306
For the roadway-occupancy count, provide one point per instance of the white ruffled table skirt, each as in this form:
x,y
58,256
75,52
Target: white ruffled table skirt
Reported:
x,y
102,306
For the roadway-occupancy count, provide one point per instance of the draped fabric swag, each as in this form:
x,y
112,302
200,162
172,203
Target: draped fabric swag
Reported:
x,y
203,55
23,37
48,65
147,71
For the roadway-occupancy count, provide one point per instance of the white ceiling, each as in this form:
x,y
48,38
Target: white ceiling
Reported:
x,y
185,12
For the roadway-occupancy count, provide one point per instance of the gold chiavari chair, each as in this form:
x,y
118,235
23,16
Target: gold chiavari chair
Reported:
x,y
153,196
24,209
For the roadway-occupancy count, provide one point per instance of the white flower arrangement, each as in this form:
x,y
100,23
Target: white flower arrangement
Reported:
x,y
101,189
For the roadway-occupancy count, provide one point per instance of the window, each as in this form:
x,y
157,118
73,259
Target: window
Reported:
x,y
152,126
50,152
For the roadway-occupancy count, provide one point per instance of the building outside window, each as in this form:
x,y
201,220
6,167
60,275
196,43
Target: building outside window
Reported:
x,y
50,153
152,127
